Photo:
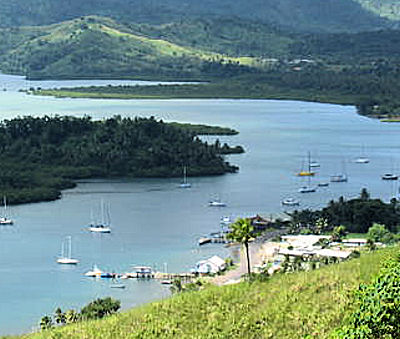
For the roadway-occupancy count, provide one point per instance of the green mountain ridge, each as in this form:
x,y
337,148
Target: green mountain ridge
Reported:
x,y
100,47
295,15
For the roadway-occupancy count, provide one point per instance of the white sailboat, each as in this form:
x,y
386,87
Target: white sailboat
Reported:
x,y
95,272
104,225
308,188
185,183
216,203
66,253
4,220
340,177
362,159
290,202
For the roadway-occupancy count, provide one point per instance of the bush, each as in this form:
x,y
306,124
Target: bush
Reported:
x,y
100,308
378,311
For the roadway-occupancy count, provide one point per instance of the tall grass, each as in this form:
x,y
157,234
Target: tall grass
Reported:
x,y
299,305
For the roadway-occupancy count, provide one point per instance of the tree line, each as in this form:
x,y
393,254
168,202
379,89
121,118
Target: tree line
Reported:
x,y
41,156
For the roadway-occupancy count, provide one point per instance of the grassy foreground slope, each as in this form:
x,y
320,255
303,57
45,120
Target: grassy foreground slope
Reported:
x,y
300,305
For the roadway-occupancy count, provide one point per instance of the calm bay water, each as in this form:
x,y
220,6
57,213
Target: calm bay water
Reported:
x,y
154,222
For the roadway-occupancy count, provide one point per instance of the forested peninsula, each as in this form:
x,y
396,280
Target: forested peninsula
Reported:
x,y
42,156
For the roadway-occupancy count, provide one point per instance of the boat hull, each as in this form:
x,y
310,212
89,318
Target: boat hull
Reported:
x,y
67,261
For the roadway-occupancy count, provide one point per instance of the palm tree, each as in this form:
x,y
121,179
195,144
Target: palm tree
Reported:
x,y
242,231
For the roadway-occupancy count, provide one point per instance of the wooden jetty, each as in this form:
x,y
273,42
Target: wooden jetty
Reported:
x,y
213,240
171,276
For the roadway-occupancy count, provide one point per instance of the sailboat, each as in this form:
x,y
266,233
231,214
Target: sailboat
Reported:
x,y
5,220
307,188
290,202
340,177
362,159
103,226
309,172
66,255
185,183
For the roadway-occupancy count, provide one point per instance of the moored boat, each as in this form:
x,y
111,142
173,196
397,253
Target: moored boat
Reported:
x,y
66,253
185,183
95,272
290,202
362,160
389,176
307,189
338,178
216,203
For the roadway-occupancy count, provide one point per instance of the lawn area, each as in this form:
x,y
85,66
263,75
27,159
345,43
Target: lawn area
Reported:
x,y
299,305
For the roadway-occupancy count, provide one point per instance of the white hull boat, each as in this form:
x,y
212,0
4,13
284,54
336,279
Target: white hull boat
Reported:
x,y
99,229
185,183
66,253
362,160
216,203
307,189
290,202
5,220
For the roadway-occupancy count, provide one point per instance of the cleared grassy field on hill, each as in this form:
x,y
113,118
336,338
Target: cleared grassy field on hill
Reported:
x,y
299,305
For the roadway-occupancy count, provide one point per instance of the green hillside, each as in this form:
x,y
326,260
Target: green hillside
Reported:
x,y
298,305
385,8
98,47
295,15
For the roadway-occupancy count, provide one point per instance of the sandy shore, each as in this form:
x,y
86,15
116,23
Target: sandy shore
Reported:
x,y
259,253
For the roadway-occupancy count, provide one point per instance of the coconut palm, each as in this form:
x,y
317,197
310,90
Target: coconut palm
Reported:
x,y
242,231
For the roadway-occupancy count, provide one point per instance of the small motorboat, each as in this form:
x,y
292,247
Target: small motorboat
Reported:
x,y
121,286
166,281
290,202
323,184
389,176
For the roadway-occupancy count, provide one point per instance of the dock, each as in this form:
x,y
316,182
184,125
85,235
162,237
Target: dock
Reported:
x,y
213,240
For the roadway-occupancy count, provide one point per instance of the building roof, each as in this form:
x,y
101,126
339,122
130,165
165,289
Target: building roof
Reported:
x,y
333,253
355,241
304,240
216,260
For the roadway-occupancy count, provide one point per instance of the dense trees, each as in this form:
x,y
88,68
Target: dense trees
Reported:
x,y
40,156
96,309
357,215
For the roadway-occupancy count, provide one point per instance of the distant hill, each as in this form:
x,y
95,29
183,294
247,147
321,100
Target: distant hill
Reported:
x,y
296,15
385,8
99,47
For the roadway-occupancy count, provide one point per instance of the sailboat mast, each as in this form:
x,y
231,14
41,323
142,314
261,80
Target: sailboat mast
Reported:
x,y
102,212
69,247
5,206
63,249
